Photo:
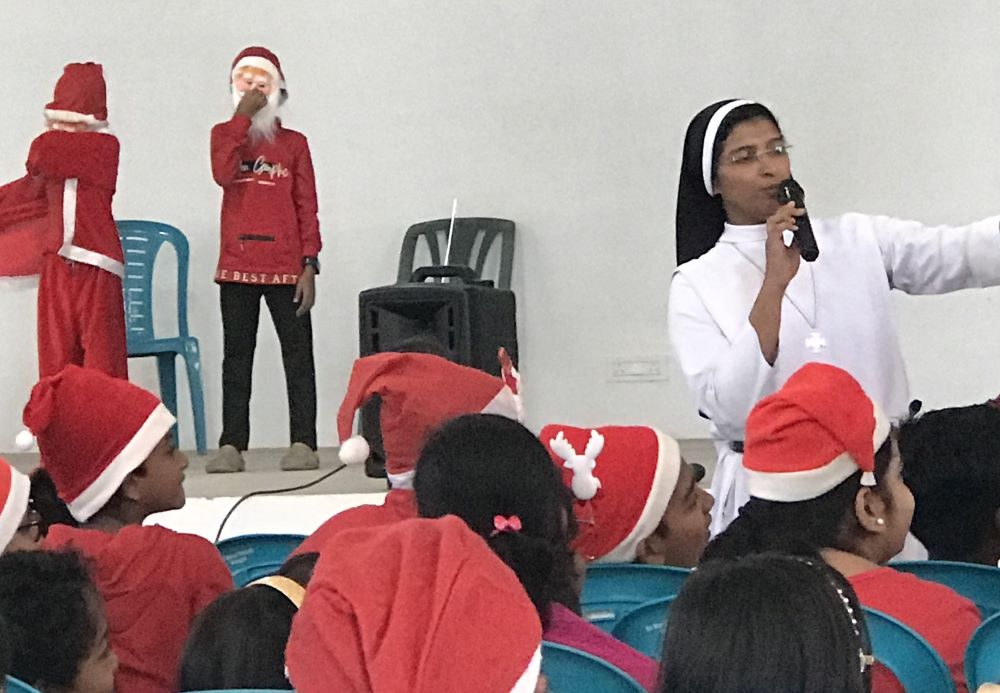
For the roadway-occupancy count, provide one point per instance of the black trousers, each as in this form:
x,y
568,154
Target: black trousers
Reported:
x,y
240,305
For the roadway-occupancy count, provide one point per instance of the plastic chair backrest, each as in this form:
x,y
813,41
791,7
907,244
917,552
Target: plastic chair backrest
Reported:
x,y
912,660
611,590
17,686
644,627
141,241
982,658
571,671
253,556
473,236
978,583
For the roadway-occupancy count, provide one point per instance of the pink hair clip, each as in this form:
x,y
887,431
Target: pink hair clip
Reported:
x,y
505,524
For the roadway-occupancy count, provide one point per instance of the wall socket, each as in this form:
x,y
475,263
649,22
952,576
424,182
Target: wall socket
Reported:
x,y
639,369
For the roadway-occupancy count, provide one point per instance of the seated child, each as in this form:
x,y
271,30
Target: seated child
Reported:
x,y
766,623
239,640
55,622
496,476
20,525
418,606
635,498
107,446
418,393
824,476
951,463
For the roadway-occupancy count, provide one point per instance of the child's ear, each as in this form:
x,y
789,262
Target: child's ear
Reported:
x,y
130,488
870,510
650,550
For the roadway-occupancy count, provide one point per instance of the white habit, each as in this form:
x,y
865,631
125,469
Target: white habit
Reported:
x,y
836,310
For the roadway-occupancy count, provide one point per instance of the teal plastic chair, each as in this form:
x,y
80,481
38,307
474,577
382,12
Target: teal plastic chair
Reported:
x,y
982,658
141,242
254,556
611,590
571,671
912,660
645,626
16,686
979,584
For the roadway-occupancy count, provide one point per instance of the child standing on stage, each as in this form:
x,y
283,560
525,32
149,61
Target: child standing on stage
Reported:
x,y
269,250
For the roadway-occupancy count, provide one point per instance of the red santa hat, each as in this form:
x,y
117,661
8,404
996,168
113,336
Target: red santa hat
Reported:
x,y
811,435
622,477
419,392
15,490
80,96
419,606
93,431
262,59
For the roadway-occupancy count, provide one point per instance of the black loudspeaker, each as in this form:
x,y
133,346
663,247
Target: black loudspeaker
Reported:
x,y
471,320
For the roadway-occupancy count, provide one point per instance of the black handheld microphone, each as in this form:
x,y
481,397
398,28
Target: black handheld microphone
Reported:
x,y
791,191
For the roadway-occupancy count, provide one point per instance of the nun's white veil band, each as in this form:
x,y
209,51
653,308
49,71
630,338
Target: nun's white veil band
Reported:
x,y
710,133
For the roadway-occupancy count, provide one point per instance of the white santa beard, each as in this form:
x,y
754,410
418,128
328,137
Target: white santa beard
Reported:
x,y
264,123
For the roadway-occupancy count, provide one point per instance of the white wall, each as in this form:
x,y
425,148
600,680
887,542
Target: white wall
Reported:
x,y
567,117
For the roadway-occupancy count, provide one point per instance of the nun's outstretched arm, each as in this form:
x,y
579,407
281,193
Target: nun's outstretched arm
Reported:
x,y
727,377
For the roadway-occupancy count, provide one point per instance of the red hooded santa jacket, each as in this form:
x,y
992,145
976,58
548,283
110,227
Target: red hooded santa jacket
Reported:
x,y
154,582
269,207
400,504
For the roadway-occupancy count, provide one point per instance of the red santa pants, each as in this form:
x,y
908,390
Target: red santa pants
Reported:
x,y
81,318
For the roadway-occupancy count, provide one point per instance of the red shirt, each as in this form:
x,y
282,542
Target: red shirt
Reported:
x,y
269,207
944,618
399,504
80,173
154,582
566,628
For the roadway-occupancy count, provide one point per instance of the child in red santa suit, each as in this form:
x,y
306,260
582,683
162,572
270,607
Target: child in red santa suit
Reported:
x,y
107,446
269,250
57,221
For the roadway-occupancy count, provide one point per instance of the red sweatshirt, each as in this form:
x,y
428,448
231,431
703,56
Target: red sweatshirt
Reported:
x,y
154,582
80,170
944,618
399,505
269,204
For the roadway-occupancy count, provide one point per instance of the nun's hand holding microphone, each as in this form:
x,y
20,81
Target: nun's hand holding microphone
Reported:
x,y
782,259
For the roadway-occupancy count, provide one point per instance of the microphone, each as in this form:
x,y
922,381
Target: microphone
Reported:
x,y
791,191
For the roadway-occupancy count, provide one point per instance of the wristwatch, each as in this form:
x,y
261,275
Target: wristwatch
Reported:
x,y
311,261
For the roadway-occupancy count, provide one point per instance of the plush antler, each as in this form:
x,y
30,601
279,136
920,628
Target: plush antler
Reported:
x,y
594,446
563,448
584,484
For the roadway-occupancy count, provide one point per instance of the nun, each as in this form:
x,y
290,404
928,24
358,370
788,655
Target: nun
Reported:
x,y
746,311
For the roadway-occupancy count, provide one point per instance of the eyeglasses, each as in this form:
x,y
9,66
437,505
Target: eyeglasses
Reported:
x,y
747,155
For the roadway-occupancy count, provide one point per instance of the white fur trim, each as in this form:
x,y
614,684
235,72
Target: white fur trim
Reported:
x,y
529,679
706,147
506,403
74,117
14,507
882,427
354,450
790,487
402,481
69,211
75,252
261,64
668,470
135,452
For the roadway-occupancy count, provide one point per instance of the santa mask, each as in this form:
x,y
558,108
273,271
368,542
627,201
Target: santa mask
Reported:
x,y
249,78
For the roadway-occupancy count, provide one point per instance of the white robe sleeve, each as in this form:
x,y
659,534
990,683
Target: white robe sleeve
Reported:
x,y
727,378
922,259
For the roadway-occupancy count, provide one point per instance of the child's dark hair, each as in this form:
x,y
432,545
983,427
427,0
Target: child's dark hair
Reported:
x,y
52,611
5,648
951,462
481,466
826,522
239,641
420,344
46,501
300,567
763,623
